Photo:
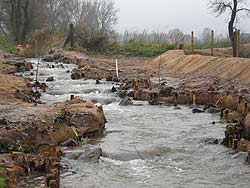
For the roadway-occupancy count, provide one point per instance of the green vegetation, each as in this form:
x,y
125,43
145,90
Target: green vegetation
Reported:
x,y
134,48
6,44
3,180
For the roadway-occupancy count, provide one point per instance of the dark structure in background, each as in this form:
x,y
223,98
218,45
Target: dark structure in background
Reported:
x,y
70,38
234,6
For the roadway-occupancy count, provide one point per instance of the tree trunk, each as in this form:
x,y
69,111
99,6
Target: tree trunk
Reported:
x,y
70,38
26,21
16,20
232,35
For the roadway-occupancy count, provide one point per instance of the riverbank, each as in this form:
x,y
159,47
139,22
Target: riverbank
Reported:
x,y
30,129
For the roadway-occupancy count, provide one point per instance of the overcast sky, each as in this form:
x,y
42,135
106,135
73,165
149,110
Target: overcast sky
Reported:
x,y
163,15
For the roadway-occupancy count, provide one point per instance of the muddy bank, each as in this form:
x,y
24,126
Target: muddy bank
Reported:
x,y
197,67
100,67
29,130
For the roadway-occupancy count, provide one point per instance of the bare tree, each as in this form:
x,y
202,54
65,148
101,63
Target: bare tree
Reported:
x,y
234,7
206,36
94,23
176,35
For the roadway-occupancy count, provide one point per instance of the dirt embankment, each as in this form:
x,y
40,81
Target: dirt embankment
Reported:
x,y
27,131
178,64
220,83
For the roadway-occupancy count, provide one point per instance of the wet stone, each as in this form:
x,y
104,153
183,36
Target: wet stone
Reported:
x,y
126,102
50,79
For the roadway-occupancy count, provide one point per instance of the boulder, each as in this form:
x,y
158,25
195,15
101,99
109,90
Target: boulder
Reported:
x,y
212,141
91,155
28,66
20,63
77,75
109,78
113,89
166,91
86,154
48,59
50,79
122,94
63,60
212,110
126,101
197,110
21,69
97,82
177,108
57,55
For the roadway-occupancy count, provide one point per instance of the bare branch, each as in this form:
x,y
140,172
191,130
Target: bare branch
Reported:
x,y
220,6
244,9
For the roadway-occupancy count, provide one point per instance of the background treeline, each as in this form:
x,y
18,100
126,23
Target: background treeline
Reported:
x,y
47,21
24,20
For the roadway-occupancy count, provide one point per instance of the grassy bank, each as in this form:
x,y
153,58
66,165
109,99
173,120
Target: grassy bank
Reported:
x,y
140,49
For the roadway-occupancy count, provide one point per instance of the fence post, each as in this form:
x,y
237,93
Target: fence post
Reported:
x,y
117,68
192,41
37,67
238,42
212,42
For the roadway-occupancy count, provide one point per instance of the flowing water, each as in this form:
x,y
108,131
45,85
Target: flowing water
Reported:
x,y
147,146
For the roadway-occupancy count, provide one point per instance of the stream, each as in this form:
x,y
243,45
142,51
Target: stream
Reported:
x,y
147,146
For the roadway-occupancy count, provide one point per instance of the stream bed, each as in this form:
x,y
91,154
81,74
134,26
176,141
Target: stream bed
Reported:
x,y
147,146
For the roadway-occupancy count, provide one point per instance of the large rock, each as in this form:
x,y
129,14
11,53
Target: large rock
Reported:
x,y
50,124
77,75
85,154
197,110
50,79
166,91
126,102
21,64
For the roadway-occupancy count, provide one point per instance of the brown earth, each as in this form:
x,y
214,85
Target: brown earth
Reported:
x,y
29,130
179,65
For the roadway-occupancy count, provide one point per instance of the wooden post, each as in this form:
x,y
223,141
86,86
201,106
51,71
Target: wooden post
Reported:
x,y
248,157
212,43
238,42
36,50
235,144
117,68
36,55
194,100
70,38
37,67
192,41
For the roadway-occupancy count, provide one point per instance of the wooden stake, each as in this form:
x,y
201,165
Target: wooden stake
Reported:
x,y
117,68
194,100
36,55
192,41
212,43
238,42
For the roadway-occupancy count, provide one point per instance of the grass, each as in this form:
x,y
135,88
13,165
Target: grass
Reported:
x,y
3,180
7,45
134,48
